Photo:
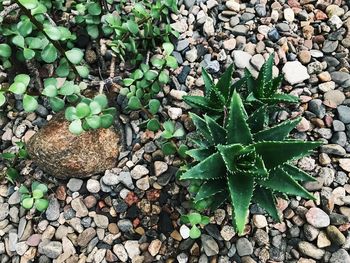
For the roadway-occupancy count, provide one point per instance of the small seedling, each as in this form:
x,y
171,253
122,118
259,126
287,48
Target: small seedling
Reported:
x,y
195,219
34,198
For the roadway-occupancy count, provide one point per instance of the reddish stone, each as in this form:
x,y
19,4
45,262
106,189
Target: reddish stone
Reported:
x,y
90,201
131,199
61,193
110,257
328,121
319,15
136,222
153,195
344,227
101,204
293,3
319,39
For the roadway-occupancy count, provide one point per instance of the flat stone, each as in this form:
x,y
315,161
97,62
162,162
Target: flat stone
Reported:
x,y
310,250
210,247
333,149
322,240
241,58
4,211
295,72
120,252
154,247
74,184
335,235
227,232
244,247
343,114
101,221
51,249
53,210
139,171
62,154
85,237
132,247
317,218
340,256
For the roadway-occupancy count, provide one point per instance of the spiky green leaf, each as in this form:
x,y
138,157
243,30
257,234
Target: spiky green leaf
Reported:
x,y
258,120
217,132
280,98
202,127
241,190
211,168
267,201
200,154
297,174
237,127
224,83
202,103
278,132
265,75
228,153
209,189
208,83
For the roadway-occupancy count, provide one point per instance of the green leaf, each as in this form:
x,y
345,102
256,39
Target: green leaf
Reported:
x,y
132,26
224,83
265,75
228,152
164,77
27,203
205,220
210,188
202,127
169,126
200,154
67,88
12,174
83,110
22,78
179,133
38,186
94,9
134,103
107,120
281,182
30,104
241,187
280,98
5,51
112,111
168,48
208,83
34,42
202,103
182,150
49,53
276,153
258,119
153,125
71,114
128,82
94,121
195,232
102,100
194,218
76,127
37,194
23,189
8,156
75,55
297,174
267,201
2,98
57,104
29,4
18,41
151,75
217,132
278,132
237,127
212,167
171,62
53,32
169,148
83,71
50,91
28,53
41,204
95,107
17,88
154,106
157,62
25,27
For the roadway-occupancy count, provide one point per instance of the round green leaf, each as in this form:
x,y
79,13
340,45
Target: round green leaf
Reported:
x,y
195,232
49,53
102,100
132,26
205,220
53,32
29,4
34,42
41,204
93,31
5,50
94,121
23,78
17,88
76,127
75,55
151,75
42,187
23,189
57,104
112,111
134,103
163,77
50,91
30,104
95,107
25,27
153,125
169,148
107,120
154,106
18,41
83,110
67,88
128,81
195,218
83,71
157,62
94,9
138,74
63,70
28,53
37,194
171,62
70,114
27,203
2,98
168,48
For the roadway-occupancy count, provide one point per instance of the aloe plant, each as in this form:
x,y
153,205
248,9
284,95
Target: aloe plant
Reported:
x,y
245,160
260,91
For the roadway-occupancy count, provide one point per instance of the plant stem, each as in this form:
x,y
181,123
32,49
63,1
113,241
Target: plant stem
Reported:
x,y
56,44
8,10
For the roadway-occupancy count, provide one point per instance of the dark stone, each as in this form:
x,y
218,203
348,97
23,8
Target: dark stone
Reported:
x,y
165,225
133,212
183,74
273,35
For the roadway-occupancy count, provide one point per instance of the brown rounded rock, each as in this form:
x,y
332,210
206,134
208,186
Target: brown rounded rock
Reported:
x,y
62,154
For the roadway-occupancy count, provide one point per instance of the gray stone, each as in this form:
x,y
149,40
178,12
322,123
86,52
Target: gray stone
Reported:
x,y
329,46
340,77
101,221
4,211
239,30
74,184
295,72
340,256
339,138
244,247
125,225
343,114
120,252
338,126
317,218
333,149
241,58
133,248
93,186
53,210
51,249
210,246
310,250
15,198
316,106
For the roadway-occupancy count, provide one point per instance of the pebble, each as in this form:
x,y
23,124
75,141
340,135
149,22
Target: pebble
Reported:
x,y
4,211
227,232
132,248
322,240
295,72
340,256
343,114
120,252
101,221
244,247
288,14
79,207
154,247
259,221
317,217
192,55
93,186
209,245
229,44
335,235
74,184
184,231
241,58
160,167
174,113
233,5
310,250
51,249
143,183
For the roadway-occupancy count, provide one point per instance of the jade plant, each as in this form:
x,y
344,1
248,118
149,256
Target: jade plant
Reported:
x,y
34,198
195,220
243,158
